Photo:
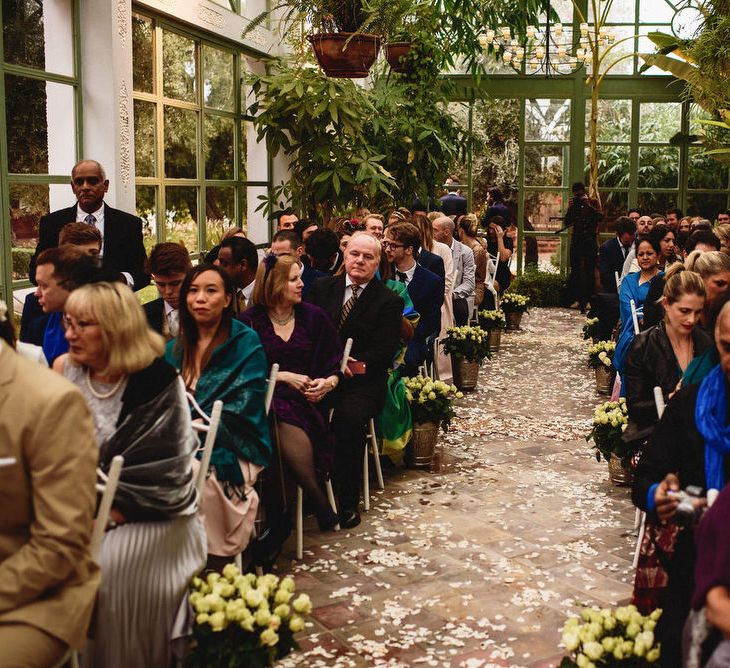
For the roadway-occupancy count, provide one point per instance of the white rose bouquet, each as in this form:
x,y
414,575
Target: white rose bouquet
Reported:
x,y
610,420
623,637
601,354
491,320
431,400
244,620
511,302
471,343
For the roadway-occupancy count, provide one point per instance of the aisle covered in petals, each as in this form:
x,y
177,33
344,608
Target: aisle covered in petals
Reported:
x,y
480,561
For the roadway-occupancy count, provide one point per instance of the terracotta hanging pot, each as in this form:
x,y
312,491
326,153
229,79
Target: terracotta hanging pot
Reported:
x,y
394,51
352,63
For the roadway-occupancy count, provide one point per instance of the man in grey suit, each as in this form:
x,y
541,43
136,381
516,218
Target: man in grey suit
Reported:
x,y
463,294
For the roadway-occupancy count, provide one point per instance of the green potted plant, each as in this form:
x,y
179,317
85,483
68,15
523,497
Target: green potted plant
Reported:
x,y
610,420
600,358
590,330
493,322
468,347
432,406
606,637
514,305
244,620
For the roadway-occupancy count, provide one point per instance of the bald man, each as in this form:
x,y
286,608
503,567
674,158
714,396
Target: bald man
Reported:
x,y
464,268
122,250
689,446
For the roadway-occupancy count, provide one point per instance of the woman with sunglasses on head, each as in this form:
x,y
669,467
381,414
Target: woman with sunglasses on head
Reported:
x,y
140,412
221,358
302,340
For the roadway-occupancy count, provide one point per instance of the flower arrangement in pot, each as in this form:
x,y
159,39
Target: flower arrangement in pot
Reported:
x,y
610,420
514,305
244,620
493,322
605,637
432,406
600,358
468,347
590,330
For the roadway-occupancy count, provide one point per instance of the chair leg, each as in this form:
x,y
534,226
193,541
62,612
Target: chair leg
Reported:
x,y
300,524
331,498
366,481
639,540
637,519
74,660
376,454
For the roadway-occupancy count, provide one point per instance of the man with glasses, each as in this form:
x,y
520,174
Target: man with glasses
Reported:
x,y
168,264
122,248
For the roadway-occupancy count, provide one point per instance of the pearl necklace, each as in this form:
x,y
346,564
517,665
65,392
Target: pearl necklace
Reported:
x,y
281,322
102,395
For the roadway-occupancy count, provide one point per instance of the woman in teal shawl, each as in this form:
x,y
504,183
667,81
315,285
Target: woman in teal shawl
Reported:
x,y
221,358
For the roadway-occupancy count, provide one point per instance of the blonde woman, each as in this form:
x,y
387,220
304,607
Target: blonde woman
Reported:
x,y
139,409
723,233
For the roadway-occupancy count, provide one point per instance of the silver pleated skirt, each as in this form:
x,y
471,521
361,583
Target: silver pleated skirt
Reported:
x,y
142,607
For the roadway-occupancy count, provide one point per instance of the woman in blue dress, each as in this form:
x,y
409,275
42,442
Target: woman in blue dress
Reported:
x,y
635,286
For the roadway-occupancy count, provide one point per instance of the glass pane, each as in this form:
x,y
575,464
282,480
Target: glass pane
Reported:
x,y
218,147
181,216
707,206
547,120
544,210
659,121
178,67
655,11
658,167
545,252
27,204
180,143
41,129
614,62
615,204
147,211
614,120
656,202
706,172
39,34
144,138
245,131
142,63
544,165
218,79
257,227
614,163
220,213
647,46
619,11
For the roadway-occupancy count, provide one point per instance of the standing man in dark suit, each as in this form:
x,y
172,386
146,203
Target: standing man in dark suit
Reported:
x,y
122,248
168,264
365,310
612,253
424,288
240,260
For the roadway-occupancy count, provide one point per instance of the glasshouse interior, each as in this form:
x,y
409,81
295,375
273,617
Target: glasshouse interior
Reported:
x,y
459,257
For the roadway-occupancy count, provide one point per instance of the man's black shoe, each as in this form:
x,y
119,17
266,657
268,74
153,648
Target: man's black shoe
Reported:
x,y
349,519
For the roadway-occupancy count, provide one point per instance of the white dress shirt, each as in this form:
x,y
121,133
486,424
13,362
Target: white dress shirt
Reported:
x,y
408,272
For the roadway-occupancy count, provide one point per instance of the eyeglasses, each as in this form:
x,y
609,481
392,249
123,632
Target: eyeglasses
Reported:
x,y
78,326
388,245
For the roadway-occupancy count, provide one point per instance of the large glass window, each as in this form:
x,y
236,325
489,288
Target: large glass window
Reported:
x,y
39,121
193,139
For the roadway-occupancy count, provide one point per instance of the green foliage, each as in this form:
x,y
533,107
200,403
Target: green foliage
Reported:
x,y
21,261
609,422
471,343
491,320
431,400
590,329
543,288
600,354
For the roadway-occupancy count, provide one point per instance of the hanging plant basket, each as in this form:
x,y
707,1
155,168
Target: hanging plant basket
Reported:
x,y
394,51
352,63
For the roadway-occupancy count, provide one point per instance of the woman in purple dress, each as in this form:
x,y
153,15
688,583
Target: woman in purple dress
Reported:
x,y
302,340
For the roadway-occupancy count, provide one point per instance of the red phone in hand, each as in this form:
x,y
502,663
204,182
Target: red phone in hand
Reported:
x,y
356,367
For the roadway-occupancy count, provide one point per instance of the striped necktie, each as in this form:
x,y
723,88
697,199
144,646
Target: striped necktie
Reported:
x,y
347,306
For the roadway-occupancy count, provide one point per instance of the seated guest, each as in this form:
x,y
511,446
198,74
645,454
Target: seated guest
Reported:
x,y
665,237
168,264
302,340
305,227
234,231
689,446
287,242
463,291
368,312
635,287
468,228
221,358
33,321
425,289
496,207
322,248
7,334
500,246
285,219
374,225
660,355
59,271
644,225
702,240
613,253
140,412
48,577
723,234
239,259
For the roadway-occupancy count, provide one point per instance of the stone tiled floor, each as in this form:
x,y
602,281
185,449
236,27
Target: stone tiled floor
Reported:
x,y
478,562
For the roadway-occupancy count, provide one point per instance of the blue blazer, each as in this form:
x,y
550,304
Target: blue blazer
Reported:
x,y
426,291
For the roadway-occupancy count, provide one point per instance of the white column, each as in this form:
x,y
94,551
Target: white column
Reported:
x,y
106,77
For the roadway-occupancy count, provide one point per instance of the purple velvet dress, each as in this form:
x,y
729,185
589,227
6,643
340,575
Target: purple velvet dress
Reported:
x,y
314,349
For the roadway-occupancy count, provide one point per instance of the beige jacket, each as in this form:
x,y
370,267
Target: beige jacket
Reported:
x,y
48,457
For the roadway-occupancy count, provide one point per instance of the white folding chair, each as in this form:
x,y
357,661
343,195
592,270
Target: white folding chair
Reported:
x,y
634,316
492,264
618,281
373,443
